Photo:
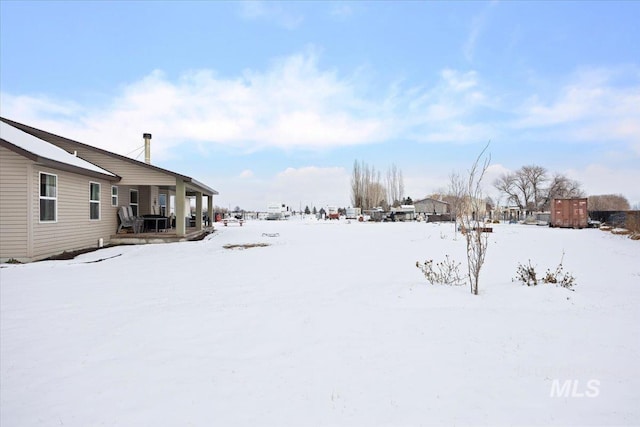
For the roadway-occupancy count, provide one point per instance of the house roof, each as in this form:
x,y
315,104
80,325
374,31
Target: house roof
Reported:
x,y
50,137
429,199
44,152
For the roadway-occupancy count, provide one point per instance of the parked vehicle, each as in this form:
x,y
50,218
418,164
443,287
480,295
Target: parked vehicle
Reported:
x,y
353,213
543,218
275,211
333,212
403,213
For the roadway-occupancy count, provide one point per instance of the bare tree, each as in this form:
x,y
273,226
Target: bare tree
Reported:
x,y
456,197
400,185
470,218
357,190
377,193
608,202
395,185
513,190
561,187
367,190
535,177
527,189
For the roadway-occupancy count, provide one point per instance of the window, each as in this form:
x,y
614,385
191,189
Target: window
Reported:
x,y
133,201
114,196
48,197
162,201
94,200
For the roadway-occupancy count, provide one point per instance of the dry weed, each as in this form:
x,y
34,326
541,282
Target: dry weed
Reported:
x,y
246,246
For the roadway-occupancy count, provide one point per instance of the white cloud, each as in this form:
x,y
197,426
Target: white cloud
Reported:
x,y
293,104
590,108
270,12
247,173
460,81
297,104
478,24
341,10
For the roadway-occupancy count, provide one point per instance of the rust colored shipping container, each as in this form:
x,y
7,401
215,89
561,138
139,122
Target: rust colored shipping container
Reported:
x,y
569,213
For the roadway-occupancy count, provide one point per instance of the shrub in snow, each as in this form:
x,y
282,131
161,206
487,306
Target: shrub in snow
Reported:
x,y
526,274
620,231
446,272
633,224
560,277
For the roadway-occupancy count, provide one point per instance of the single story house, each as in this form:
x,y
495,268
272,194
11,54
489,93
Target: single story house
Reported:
x,y
431,206
57,194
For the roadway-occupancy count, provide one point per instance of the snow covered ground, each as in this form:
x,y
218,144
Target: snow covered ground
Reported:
x,y
332,324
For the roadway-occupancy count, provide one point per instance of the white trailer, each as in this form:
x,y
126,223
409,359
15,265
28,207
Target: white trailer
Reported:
x,y
274,211
353,213
277,211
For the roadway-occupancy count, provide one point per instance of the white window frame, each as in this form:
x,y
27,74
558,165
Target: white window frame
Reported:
x,y
41,197
136,211
91,201
114,197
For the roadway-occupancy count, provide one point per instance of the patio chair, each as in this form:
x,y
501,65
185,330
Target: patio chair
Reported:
x,y
127,220
137,219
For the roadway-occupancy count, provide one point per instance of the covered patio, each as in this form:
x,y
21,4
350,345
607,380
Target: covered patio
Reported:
x,y
170,211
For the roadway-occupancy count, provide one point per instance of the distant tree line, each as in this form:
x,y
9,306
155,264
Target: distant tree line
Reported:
x,y
608,202
369,189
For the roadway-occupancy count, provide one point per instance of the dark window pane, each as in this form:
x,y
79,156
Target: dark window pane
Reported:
x,y
94,210
95,192
47,185
47,210
43,185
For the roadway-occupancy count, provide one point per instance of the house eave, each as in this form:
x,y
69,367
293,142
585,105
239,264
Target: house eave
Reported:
x,y
56,164
50,137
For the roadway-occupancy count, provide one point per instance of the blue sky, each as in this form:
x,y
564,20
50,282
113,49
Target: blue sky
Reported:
x,y
269,101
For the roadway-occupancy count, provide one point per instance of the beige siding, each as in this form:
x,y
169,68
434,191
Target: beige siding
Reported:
x,y
73,228
14,208
131,174
148,199
144,204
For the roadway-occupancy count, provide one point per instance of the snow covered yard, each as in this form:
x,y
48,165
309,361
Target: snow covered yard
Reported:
x,y
331,324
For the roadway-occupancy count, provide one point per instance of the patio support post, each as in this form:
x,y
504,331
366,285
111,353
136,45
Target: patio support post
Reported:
x,y
210,209
180,213
198,210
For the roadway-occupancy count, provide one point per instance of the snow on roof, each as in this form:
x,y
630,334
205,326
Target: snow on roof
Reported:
x,y
44,149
